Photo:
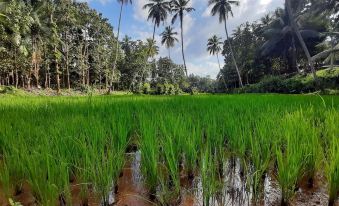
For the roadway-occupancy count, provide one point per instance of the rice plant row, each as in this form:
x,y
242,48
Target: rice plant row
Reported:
x,y
54,144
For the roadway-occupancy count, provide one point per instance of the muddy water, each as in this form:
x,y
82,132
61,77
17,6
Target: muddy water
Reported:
x,y
131,190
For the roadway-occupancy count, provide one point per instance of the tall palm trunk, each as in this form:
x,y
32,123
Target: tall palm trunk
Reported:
x,y
116,49
232,54
222,75
182,43
153,36
300,38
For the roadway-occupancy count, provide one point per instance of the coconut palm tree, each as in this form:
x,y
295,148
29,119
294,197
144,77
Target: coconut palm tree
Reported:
x,y
179,7
151,44
223,8
296,30
214,48
122,3
157,12
169,39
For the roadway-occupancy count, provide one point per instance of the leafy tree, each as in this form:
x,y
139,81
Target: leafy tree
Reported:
x,y
179,7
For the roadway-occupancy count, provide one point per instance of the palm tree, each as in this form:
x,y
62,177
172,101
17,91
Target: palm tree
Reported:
x,y
168,38
223,8
151,44
122,3
299,36
214,48
281,39
157,12
179,7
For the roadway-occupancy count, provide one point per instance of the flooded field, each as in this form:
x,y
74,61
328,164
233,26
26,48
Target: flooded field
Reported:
x,y
179,151
131,190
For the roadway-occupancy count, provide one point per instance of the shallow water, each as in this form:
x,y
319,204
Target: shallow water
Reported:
x,y
131,190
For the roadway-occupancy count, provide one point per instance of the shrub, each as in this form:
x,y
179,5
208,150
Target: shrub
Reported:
x,y
146,88
86,89
177,89
8,90
160,89
194,91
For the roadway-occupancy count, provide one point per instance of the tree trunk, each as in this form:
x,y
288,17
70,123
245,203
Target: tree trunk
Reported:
x,y
332,54
294,54
16,70
182,43
222,75
57,76
116,49
232,54
301,40
67,70
46,80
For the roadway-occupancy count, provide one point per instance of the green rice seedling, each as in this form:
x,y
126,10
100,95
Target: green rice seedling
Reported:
x,y
331,155
149,147
290,159
105,171
332,172
310,146
42,177
260,156
191,145
5,180
171,131
210,182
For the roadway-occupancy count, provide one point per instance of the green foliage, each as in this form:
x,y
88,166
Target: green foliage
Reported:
x,y
327,79
146,88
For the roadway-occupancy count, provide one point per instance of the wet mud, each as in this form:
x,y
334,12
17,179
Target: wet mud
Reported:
x,y
132,191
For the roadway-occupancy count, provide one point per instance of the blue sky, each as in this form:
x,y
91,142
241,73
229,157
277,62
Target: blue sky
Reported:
x,y
198,27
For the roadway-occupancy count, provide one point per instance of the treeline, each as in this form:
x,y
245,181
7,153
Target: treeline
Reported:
x,y
283,44
63,44
54,44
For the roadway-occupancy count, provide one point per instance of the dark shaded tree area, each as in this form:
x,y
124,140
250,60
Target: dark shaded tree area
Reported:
x,y
62,44
272,47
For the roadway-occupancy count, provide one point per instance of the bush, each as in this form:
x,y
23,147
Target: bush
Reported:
x,y
160,89
146,88
86,89
298,84
8,90
177,89
169,89
194,91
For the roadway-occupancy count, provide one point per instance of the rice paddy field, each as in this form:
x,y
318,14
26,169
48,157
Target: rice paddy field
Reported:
x,y
206,150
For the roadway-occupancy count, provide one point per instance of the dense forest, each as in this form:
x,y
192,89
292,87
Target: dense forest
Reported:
x,y
63,44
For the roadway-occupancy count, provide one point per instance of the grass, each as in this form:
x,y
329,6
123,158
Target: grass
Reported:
x,y
47,141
